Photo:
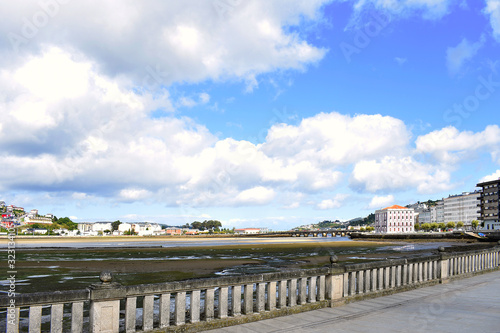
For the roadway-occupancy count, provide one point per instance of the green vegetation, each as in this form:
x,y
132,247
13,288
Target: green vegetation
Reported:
x,y
475,224
450,225
212,225
116,224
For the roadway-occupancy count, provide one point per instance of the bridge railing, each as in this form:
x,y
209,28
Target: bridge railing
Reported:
x,y
223,301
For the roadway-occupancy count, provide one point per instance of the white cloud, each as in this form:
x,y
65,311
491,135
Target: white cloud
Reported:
x,y
493,10
133,194
336,202
335,139
172,41
258,195
393,173
493,176
378,202
204,98
457,56
449,145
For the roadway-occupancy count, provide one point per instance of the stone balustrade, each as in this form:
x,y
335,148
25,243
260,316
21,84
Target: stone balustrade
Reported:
x,y
216,302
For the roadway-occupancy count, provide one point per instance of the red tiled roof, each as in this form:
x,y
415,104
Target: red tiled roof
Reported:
x,y
396,207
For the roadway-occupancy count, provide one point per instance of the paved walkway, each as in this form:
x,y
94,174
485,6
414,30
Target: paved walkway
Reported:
x,y
467,305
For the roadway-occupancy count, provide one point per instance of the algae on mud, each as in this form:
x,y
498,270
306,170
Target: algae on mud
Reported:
x,y
71,268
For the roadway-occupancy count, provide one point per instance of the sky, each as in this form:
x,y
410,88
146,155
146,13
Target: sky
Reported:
x,y
254,113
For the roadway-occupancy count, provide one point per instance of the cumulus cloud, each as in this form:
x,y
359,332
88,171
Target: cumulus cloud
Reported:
x,y
393,173
493,10
493,176
457,56
168,41
449,145
378,202
336,139
336,202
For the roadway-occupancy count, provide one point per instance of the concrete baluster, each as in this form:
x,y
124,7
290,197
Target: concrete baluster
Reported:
x,y
380,278
164,310
76,317
248,299
271,296
180,308
209,303
321,288
302,291
223,302
361,281
404,279
292,292
261,296
311,295
147,313
130,315
236,300
12,320
35,318
399,270
195,306
282,294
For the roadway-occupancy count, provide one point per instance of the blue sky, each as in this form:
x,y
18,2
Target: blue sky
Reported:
x,y
255,113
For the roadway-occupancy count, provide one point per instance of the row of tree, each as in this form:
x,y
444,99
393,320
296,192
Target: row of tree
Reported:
x,y
213,225
442,225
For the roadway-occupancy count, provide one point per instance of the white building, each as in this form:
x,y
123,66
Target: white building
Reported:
x,y
247,231
462,208
395,219
141,228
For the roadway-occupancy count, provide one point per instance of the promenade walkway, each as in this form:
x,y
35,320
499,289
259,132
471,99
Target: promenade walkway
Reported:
x,y
466,305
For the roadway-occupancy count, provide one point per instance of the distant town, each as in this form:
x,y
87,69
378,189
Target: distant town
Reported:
x,y
478,209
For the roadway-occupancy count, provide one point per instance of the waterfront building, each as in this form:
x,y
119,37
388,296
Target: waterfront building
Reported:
x,y
247,231
489,205
462,208
395,219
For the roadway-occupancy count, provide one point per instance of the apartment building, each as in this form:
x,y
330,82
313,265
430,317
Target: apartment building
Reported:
x,y
489,205
395,219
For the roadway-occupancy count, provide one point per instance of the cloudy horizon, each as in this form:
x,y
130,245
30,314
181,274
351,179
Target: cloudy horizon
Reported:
x,y
254,113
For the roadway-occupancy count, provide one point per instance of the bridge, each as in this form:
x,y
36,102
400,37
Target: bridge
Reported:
x,y
307,233
201,304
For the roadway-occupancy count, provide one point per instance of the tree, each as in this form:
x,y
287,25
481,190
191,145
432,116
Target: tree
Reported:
x,y
450,225
66,223
197,225
417,227
460,224
441,226
474,224
426,226
434,226
115,225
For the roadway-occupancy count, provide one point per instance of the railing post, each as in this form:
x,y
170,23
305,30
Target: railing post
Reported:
x,y
12,320
105,304
337,285
194,309
209,303
236,300
443,266
223,302
271,295
164,310
282,294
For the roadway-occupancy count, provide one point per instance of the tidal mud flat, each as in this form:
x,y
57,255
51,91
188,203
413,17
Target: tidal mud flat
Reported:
x,y
59,267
